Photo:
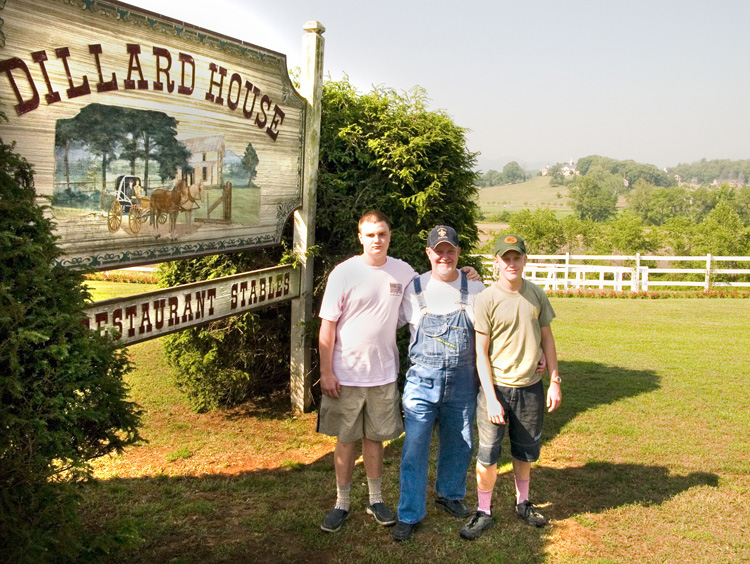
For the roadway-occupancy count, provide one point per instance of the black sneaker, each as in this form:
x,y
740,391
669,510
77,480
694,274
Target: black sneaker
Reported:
x,y
528,513
334,520
478,524
382,514
402,531
455,507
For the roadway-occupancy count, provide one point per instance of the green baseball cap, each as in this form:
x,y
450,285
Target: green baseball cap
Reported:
x,y
509,242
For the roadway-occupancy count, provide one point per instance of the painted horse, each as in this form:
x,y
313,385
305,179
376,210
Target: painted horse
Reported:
x,y
169,203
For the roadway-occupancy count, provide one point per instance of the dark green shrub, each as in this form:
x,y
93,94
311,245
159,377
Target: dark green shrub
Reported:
x,y
230,360
62,398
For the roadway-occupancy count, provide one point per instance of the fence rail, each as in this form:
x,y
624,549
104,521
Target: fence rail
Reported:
x,y
628,272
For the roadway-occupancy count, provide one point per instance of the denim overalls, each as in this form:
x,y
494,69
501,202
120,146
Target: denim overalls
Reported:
x,y
441,385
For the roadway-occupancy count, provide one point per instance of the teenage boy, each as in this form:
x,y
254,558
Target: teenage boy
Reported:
x,y
512,323
359,364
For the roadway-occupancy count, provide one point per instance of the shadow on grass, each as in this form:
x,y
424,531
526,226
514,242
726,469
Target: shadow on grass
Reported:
x,y
588,385
600,486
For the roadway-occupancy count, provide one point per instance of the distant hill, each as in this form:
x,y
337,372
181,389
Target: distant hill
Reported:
x,y
534,193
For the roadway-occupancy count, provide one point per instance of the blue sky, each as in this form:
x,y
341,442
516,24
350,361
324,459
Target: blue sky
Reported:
x,y
537,81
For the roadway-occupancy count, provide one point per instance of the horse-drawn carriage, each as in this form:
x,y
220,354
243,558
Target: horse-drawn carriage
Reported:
x,y
130,199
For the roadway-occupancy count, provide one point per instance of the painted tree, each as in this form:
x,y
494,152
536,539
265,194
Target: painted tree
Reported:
x,y
65,135
250,164
99,127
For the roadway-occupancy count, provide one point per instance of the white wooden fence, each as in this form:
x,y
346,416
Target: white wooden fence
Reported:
x,y
626,272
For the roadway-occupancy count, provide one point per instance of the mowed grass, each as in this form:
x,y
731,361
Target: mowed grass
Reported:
x,y
534,193
647,460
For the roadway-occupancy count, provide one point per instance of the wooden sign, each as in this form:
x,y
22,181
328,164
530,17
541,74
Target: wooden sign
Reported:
x,y
154,139
152,314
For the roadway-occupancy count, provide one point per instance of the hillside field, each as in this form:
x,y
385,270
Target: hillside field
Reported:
x,y
531,194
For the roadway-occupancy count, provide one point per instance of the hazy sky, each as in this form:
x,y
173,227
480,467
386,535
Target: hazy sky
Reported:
x,y
657,81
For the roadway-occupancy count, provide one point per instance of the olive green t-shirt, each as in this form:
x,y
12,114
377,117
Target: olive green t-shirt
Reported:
x,y
513,321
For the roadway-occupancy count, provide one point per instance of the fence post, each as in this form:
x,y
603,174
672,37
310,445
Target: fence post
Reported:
x,y
636,287
311,87
707,284
567,269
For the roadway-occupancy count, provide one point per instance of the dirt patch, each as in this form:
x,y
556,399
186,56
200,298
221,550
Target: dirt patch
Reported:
x,y
254,436
490,230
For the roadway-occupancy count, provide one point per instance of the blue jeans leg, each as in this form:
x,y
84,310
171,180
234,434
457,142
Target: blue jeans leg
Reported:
x,y
419,419
456,436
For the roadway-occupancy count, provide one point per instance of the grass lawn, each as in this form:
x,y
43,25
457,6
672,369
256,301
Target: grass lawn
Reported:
x,y
647,460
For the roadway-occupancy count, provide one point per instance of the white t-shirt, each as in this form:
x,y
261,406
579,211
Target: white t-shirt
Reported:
x,y
364,303
440,297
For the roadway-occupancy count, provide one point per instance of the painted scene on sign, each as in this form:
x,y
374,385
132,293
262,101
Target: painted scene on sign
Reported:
x,y
131,173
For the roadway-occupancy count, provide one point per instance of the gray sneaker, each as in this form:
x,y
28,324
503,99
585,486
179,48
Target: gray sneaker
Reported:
x,y
478,524
382,514
455,507
527,512
334,520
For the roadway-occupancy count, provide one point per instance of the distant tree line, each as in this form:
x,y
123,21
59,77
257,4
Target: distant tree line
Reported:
x,y
706,172
721,232
678,220
512,173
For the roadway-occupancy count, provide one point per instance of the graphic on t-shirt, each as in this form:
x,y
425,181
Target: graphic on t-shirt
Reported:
x,y
396,289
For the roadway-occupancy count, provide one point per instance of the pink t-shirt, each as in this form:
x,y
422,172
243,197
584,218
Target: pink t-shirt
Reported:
x,y
364,303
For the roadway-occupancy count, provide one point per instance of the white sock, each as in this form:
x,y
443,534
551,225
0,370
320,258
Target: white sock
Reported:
x,y
342,496
373,484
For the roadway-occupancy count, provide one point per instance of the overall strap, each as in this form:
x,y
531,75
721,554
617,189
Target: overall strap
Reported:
x,y
464,301
419,295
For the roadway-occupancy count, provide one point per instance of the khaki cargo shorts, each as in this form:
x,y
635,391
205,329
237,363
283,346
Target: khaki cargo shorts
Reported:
x,y
372,412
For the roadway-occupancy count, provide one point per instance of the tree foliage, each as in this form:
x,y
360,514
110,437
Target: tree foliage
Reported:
x,y
63,401
490,178
594,195
629,170
541,230
512,173
706,172
381,150
385,150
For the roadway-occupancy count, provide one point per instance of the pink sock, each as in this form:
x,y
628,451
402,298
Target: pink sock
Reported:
x,y
485,501
522,490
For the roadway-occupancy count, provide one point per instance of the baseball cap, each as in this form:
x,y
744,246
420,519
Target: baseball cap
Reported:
x,y
509,242
442,234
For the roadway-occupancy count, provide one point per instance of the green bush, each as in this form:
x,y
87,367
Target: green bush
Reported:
x,y
62,397
230,360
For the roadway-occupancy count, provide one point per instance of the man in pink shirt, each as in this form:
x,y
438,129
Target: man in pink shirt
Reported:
x,y
359,363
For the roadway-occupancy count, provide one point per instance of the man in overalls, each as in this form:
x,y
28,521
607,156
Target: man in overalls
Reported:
x,y
441,384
